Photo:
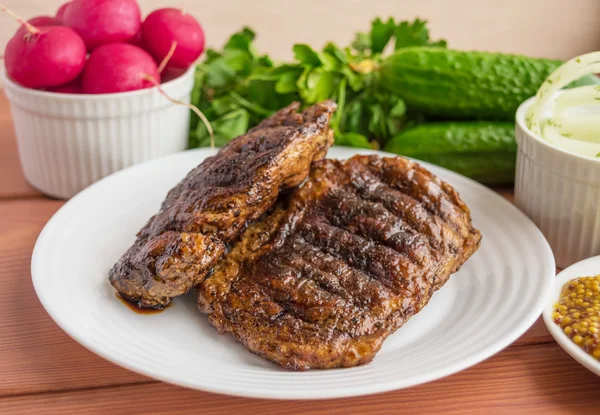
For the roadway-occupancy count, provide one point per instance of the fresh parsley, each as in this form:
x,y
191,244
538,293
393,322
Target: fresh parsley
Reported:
x,y
237,87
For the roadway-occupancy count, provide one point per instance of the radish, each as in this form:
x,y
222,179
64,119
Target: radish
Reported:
x,y
39,21
62,10
137,40
43,57
119,67
165,27
50,56
100,22
73,87
171,73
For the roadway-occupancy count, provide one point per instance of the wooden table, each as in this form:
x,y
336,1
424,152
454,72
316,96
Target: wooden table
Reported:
x,y
42,370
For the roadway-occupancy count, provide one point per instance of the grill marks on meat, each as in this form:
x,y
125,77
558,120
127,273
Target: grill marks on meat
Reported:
x,y
209,209
341,264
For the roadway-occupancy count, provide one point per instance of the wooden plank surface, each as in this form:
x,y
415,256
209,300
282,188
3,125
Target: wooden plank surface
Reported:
x,y
12,181
540,379
35,355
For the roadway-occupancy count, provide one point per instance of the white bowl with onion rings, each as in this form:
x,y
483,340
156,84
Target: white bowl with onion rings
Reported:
x,y
557,181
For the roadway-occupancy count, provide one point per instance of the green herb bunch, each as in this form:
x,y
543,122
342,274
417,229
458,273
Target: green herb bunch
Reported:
x,y
237,87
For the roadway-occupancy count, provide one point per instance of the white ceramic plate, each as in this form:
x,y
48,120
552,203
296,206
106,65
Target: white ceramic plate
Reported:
x,y
494,298
586,268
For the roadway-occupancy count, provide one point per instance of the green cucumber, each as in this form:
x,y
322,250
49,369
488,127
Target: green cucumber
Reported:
x,y
482,150
466,85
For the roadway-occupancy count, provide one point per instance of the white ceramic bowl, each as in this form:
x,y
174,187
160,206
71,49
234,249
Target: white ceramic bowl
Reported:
x,y
586,268
67,141
560,192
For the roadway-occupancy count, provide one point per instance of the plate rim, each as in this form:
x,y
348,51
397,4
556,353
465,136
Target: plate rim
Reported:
x,y
326,393
559,336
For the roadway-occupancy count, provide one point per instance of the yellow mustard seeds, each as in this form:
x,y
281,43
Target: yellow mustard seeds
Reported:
x,y
578,313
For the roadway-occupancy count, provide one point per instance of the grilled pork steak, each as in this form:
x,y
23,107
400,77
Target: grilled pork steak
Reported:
x,y
211,207
341,264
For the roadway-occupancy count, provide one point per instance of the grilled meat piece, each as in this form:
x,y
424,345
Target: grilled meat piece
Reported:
x,y
211,207
341,264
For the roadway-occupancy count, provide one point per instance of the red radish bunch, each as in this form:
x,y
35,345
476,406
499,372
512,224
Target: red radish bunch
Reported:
x,y
125,54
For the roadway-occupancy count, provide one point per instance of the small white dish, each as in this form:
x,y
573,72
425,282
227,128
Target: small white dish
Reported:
x,y
495,297
68,141
586,268
560,192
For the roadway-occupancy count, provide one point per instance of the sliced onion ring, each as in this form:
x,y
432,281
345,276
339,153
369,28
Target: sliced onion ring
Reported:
x,y
575,132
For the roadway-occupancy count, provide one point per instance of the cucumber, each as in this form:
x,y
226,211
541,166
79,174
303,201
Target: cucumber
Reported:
x,y
482,150
465,85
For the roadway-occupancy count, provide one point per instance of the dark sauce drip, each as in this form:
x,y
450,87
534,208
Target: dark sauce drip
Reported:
x,y
137,309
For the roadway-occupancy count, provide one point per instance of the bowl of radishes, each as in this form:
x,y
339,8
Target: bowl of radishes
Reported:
x,y
95,89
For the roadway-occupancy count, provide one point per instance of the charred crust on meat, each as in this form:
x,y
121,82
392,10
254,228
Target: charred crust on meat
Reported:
x,y
206,211
340,264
